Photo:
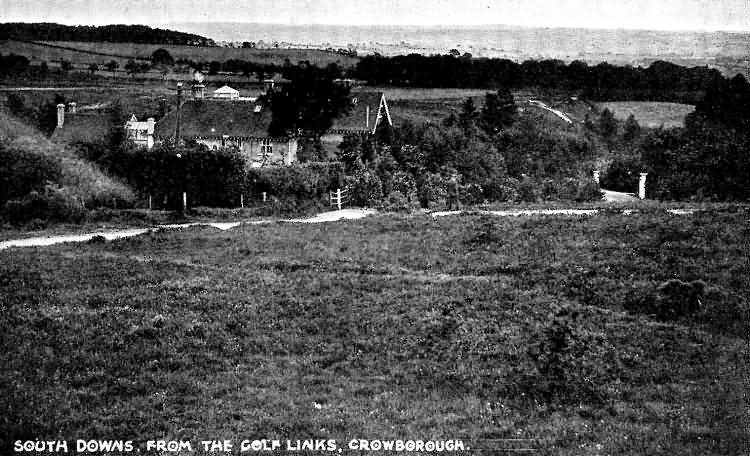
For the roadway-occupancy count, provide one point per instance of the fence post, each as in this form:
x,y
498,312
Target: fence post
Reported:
x,y
149,202
338,197
642,186
242,201
264,197
184,201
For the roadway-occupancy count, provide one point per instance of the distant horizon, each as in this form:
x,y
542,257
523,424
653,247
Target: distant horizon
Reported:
x,y
434,26
163,25
639,15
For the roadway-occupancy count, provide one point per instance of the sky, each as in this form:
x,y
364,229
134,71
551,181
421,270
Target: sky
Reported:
x,y
702,15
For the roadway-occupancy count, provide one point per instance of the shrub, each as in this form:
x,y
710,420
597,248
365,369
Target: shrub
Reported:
x,y
471,194
622,174
55,204
676,299
311,180
397,202
404,183
507,190
671,300
560,361
565,189
23,171
528,191
589,190
365,188
431,188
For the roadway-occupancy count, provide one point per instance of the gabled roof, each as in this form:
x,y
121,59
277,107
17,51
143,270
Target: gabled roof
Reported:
x,y
217,118
133,124
357,117
226,89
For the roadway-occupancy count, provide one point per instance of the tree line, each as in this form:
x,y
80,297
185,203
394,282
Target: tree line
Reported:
x,y
661,81
107,33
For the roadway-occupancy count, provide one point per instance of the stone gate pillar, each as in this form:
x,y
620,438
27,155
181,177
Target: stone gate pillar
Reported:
x,y
642,186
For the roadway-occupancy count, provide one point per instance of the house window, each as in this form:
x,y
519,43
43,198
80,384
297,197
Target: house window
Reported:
x,y
266,149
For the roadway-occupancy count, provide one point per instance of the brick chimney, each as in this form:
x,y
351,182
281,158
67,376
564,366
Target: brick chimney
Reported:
x,y
60,115
150,133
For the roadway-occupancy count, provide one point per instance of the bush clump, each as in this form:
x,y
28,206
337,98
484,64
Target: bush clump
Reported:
x,y
589,190
672,300
365,188
676,299
309,180
561,361
54,204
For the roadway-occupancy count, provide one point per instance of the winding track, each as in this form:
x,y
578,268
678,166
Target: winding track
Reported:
x,y
345,214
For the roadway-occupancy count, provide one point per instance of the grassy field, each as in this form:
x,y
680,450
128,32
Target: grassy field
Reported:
x,y
650,114
274,56
388,327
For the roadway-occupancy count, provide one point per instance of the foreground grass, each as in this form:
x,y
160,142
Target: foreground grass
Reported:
x,y
380,328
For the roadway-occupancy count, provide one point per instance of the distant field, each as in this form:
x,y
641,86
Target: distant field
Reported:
x,y
405,93
269,56
650,114
38,53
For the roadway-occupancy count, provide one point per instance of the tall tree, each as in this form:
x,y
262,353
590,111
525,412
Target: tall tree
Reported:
x,y
607,124
631,130
468,114
309,102
499,111
162,57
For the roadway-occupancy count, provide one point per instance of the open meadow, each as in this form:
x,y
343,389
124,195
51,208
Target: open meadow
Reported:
x,y
463,327
221,54
650,114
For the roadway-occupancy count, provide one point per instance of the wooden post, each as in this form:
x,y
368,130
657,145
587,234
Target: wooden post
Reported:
x,y
242,201
338,198
149,202
184,201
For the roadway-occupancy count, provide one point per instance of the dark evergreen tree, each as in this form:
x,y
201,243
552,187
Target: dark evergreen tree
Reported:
x,y
607,124
631,130
310,102
499,111
468,115
162,57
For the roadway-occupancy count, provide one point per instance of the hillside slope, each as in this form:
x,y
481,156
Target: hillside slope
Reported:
x,y
78,177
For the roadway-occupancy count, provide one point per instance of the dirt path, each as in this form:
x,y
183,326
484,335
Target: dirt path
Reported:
x,y
618,197
325,217
345,214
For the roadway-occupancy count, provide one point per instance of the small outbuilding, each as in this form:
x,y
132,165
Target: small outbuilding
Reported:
x,y
226,93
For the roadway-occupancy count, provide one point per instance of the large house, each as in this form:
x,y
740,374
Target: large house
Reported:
x,y
244,124
240,124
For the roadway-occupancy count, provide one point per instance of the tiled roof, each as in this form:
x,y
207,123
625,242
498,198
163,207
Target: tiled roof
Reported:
x,y
80,127
217,118
242,119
